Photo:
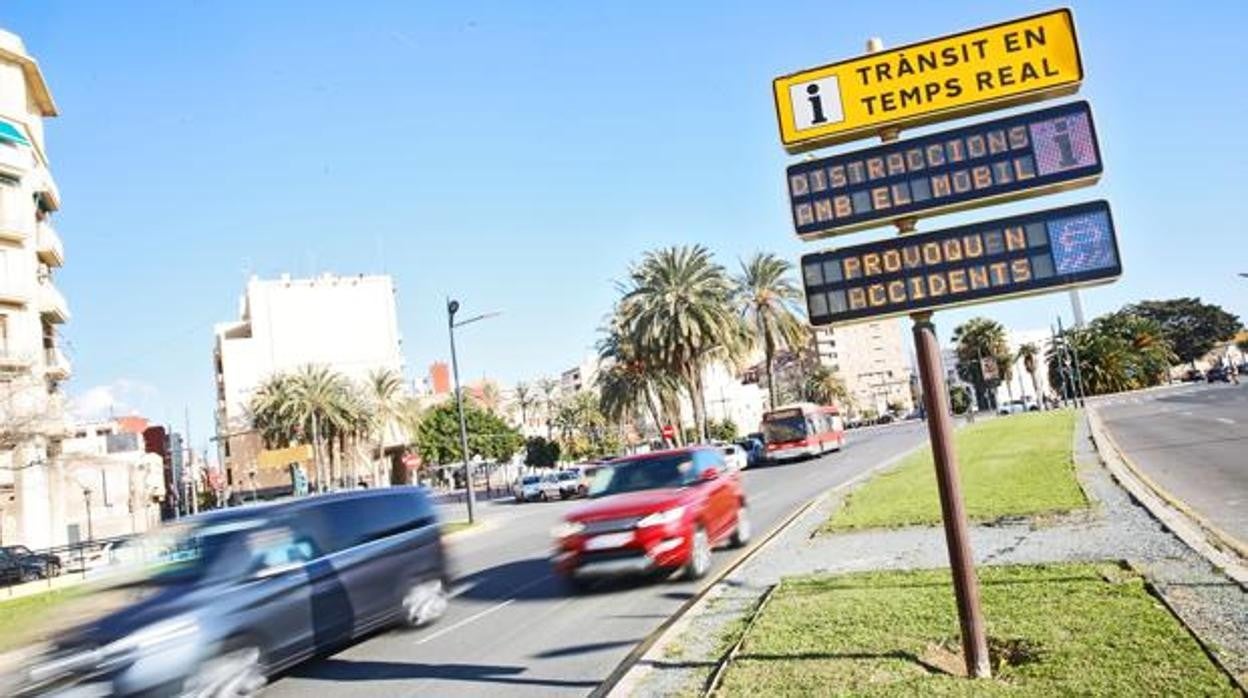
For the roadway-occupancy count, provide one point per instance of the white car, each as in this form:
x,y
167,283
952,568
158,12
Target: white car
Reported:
x,y
734,456
532,488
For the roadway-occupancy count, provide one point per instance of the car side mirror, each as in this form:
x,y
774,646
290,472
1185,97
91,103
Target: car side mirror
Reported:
x,y
710,474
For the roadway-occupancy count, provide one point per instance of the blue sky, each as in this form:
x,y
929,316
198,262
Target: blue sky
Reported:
x,y
518,155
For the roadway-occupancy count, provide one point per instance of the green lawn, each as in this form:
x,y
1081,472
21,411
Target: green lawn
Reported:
x,y
1054,630
21,618
1011,466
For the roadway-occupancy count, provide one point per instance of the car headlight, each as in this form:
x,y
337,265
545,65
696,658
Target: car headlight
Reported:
x,y
154,635
662,518
567,529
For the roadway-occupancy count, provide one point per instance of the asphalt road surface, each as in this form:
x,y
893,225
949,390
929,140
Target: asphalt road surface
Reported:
x,y
513,629
1192,441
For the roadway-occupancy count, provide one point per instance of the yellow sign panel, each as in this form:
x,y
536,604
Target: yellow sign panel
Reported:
x,y
1020,61
282,457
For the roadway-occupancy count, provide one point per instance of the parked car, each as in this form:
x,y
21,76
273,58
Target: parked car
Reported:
x,y
569,482
12,571
1193,376
34,565
754,449
586,475
231,597
735,457
1017,406
654,513
1218,374
528,489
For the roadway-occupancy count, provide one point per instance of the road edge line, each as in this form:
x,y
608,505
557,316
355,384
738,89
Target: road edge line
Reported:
x,y
1218,548
627,674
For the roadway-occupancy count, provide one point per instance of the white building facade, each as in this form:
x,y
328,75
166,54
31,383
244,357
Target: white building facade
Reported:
x,y
32,309
346,323
871,359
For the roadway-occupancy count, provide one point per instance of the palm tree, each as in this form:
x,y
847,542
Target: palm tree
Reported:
x,y
386,399
678,310
319,399
1028,353
976,339
630,381
271,410
550,391
525,398
767,298
824,387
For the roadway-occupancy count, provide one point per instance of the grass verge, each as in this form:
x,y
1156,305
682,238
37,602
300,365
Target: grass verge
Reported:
x,y
1012,466
1054,630
21,618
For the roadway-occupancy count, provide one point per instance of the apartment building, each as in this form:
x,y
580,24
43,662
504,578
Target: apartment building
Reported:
x,y
346,323
871,359
32,309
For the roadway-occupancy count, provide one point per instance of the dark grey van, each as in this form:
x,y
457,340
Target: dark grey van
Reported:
x,y
239,594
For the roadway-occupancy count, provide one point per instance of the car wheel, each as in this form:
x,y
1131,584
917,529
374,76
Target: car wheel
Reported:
x,y
28,575
52,570
744,530
424,603
699,555
236,671
543,497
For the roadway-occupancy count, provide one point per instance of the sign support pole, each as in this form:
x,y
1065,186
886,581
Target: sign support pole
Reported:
x,y
953,512
940,432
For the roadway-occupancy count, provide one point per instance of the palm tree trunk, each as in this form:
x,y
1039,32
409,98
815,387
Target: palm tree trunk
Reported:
x,y
316,453
1035,386
771,372
653,409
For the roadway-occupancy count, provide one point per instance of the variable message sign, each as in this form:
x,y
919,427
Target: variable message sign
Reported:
x,y
1015,256
1020,156
1002,65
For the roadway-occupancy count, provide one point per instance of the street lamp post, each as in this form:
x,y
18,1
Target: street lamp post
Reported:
x,y
452,307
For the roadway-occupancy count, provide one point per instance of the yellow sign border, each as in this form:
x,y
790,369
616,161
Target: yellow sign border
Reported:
x,y
796,144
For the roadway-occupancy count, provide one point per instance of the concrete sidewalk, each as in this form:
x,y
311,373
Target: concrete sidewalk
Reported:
x,y
1113,528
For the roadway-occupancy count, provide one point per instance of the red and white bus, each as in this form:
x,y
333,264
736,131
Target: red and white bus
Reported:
x,y
802,429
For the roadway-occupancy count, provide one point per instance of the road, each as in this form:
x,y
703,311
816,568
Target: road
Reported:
x,y
513,628
1192,441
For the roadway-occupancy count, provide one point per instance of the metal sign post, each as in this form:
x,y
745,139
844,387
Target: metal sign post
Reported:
x,y
952,509
1024,155
953,512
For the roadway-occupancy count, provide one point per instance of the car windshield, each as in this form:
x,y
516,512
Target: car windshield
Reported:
x,y
182,553
568,475
530,480
785,429
643,474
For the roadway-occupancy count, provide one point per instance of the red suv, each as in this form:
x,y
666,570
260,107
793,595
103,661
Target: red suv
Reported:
x,y
655,512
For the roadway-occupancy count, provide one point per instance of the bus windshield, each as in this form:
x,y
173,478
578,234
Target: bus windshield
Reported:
x,y
784,429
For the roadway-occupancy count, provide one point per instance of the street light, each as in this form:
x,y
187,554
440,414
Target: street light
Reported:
x,y
452,307
86,480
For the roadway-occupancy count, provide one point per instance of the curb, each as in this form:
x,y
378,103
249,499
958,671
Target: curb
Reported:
x,y
634,667
1218,548
1205,647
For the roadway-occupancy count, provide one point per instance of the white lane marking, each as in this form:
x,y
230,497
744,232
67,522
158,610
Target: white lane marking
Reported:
x,y
1224,420
456,626
480,614
1186,413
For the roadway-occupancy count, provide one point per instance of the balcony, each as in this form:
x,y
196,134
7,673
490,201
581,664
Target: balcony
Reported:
x,y
13,229
10,361
56,365
48,245
15,160
52,304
